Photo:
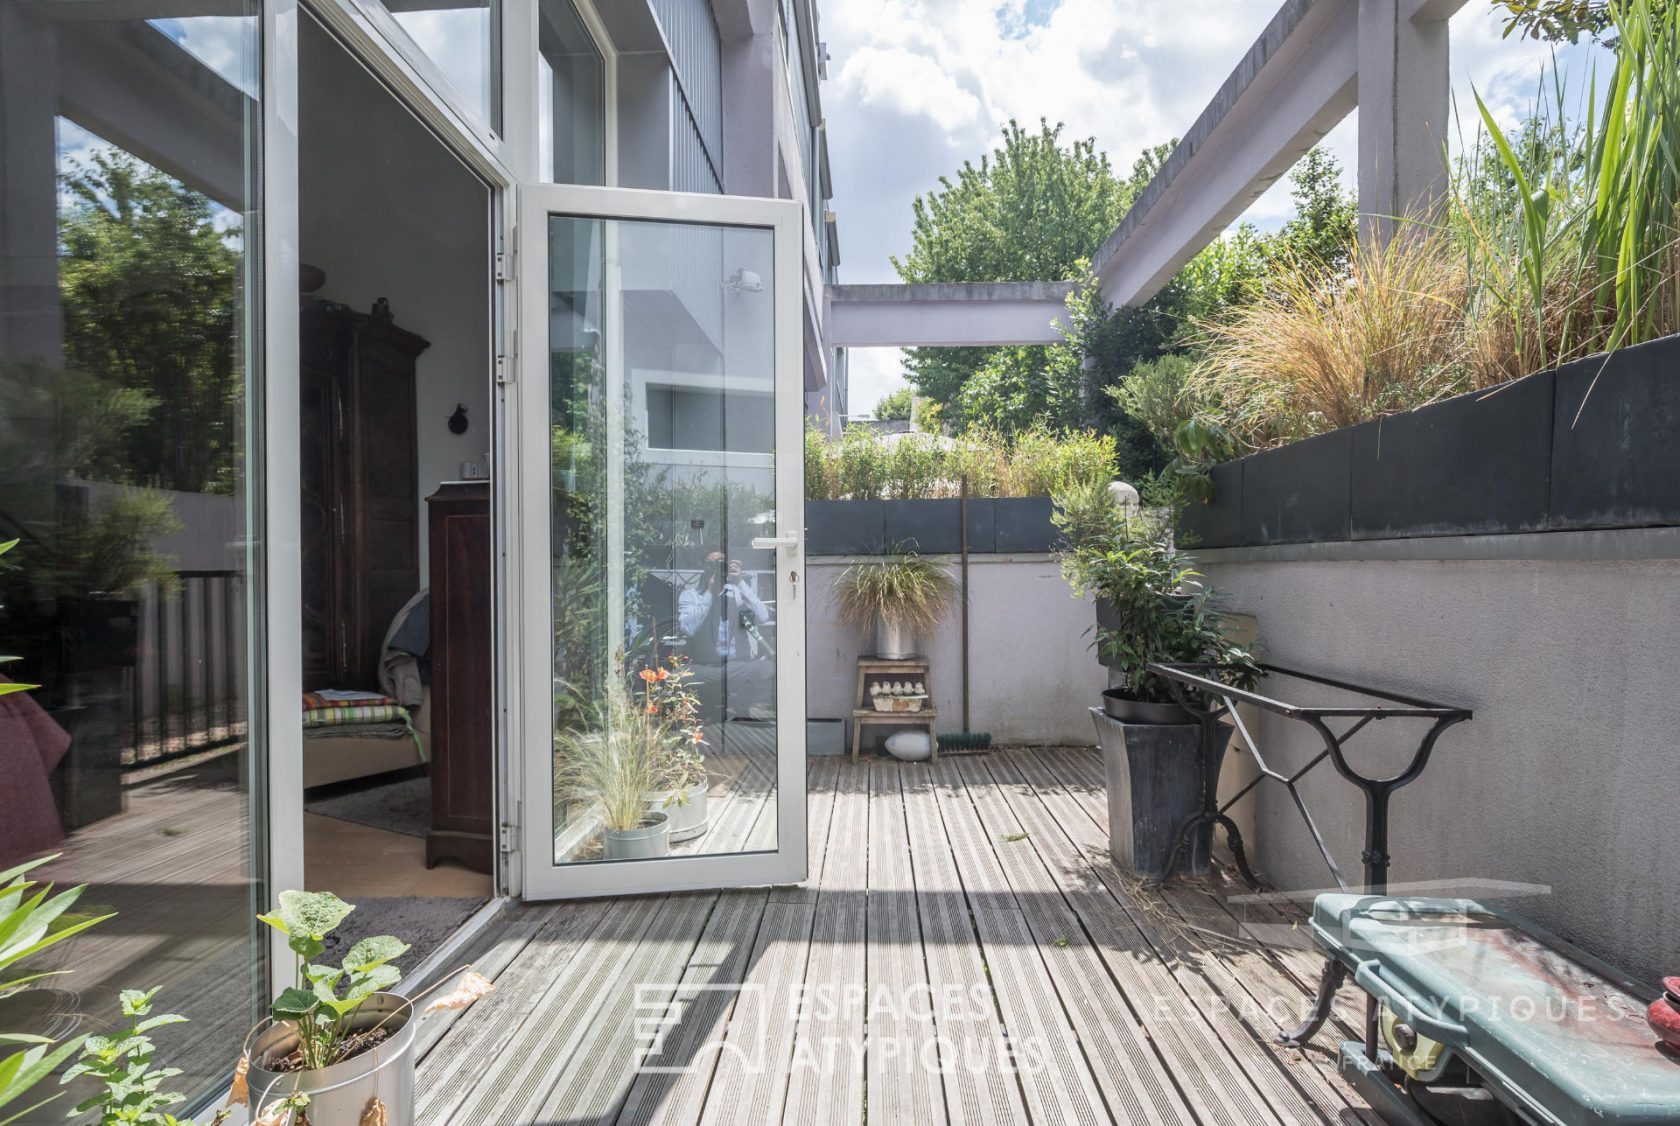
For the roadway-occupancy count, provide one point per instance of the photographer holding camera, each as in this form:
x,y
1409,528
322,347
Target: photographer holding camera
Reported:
x,y
720,620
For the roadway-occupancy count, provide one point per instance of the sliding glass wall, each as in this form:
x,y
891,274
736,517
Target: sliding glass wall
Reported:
x,y
128,389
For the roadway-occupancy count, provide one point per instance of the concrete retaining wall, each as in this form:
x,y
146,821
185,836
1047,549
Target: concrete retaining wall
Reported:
x,y
1033,675
1568,776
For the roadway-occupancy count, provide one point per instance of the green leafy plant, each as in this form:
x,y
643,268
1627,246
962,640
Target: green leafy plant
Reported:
x,y
1153,590
32,918
130,1088
906,588
323,999
668,696
1032,461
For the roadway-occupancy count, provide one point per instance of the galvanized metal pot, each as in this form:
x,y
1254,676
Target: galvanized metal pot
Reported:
x,y
688,818
339,1094
1158,777
651,838
894,640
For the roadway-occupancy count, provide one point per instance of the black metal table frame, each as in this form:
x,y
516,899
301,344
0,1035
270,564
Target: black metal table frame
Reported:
x,y
1185,679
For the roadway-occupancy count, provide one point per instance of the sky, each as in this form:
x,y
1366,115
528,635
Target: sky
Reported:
x,y
916,87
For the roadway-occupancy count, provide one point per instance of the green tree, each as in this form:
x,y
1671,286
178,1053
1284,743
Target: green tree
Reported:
x,y
1323,227
896,405
1032,210
149,271
1230,271
1557,21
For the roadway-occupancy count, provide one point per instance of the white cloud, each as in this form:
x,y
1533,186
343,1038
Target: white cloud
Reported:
x,y
908,83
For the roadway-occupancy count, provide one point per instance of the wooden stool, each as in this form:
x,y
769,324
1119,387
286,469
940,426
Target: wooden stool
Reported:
x,y
871,669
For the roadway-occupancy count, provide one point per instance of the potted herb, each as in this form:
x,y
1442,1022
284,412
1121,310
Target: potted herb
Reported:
x,y
901,596
614,764
337,1040
1160,762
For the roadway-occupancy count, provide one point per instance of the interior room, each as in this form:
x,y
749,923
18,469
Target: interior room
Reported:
x,y
395,428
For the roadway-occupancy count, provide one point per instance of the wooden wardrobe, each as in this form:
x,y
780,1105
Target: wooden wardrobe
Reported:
x,y
359,478
463,684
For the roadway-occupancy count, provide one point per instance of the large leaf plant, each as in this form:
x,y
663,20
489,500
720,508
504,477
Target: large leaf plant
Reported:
x,y
322,998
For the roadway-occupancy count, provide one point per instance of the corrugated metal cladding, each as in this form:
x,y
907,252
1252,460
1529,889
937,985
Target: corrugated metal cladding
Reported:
x,y
696,56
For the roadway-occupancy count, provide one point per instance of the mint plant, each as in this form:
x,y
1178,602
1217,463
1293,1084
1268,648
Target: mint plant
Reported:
x,y
323,998
131,1091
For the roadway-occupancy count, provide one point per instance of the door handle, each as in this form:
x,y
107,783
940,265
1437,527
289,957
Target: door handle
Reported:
x,y
788,540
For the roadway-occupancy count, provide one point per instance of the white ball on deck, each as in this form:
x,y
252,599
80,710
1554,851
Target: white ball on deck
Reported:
x,y
909,746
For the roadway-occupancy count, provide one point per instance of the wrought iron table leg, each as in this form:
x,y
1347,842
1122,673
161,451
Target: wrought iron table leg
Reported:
x,y
1329,981
1233,838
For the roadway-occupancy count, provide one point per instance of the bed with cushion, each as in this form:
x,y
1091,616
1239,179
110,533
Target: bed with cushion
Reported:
x,y
356,735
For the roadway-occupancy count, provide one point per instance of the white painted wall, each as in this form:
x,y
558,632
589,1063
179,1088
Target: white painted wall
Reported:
x,y
1568,774
1034,676
388,212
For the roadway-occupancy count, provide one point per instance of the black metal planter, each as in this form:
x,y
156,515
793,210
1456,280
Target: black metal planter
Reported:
x,y
1159,777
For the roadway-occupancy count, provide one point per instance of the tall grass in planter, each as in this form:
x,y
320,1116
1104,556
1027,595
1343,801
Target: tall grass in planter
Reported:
x,y
1318,352
1588,260
901,596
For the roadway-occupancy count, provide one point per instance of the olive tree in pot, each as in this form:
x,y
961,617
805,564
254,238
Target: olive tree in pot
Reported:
x,y
900,596
1161,763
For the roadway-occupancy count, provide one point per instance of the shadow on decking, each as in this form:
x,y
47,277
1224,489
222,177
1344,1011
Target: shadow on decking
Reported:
x,y
962,949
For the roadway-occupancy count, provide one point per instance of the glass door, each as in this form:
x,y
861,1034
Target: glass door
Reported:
x,y
661,429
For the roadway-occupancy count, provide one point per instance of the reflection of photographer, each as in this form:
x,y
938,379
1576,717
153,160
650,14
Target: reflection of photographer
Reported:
x,y
722,621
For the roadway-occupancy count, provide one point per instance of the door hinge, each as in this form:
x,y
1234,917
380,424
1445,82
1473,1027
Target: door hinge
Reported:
x,y
505,841
504,266
504,371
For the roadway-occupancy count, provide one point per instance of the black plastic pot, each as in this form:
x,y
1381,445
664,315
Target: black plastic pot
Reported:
x,y
1158,777
1121,706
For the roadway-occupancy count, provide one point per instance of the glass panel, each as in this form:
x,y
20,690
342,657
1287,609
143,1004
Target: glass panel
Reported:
x,y
128,382
463,37
572,99
662,353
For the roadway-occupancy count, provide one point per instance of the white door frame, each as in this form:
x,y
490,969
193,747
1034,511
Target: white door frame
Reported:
x,y
366,31
532,523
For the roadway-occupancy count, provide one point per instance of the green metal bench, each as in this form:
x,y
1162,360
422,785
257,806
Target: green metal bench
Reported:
x,y
1485,1018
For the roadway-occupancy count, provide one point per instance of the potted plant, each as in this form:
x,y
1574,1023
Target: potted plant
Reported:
x,y
337,1040
1160,762
682,798
901,596
683,781
614,763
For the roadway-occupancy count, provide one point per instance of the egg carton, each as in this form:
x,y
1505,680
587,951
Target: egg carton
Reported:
x,y
899,703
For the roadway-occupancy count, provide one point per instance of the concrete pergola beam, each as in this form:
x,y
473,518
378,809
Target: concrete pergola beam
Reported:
x,y
946,316
1316,62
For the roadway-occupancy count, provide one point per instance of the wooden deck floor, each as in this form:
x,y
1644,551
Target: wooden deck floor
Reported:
x,y
963,951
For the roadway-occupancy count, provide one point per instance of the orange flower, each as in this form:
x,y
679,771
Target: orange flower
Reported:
x,y
647,675
698,736
662,675
652,708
